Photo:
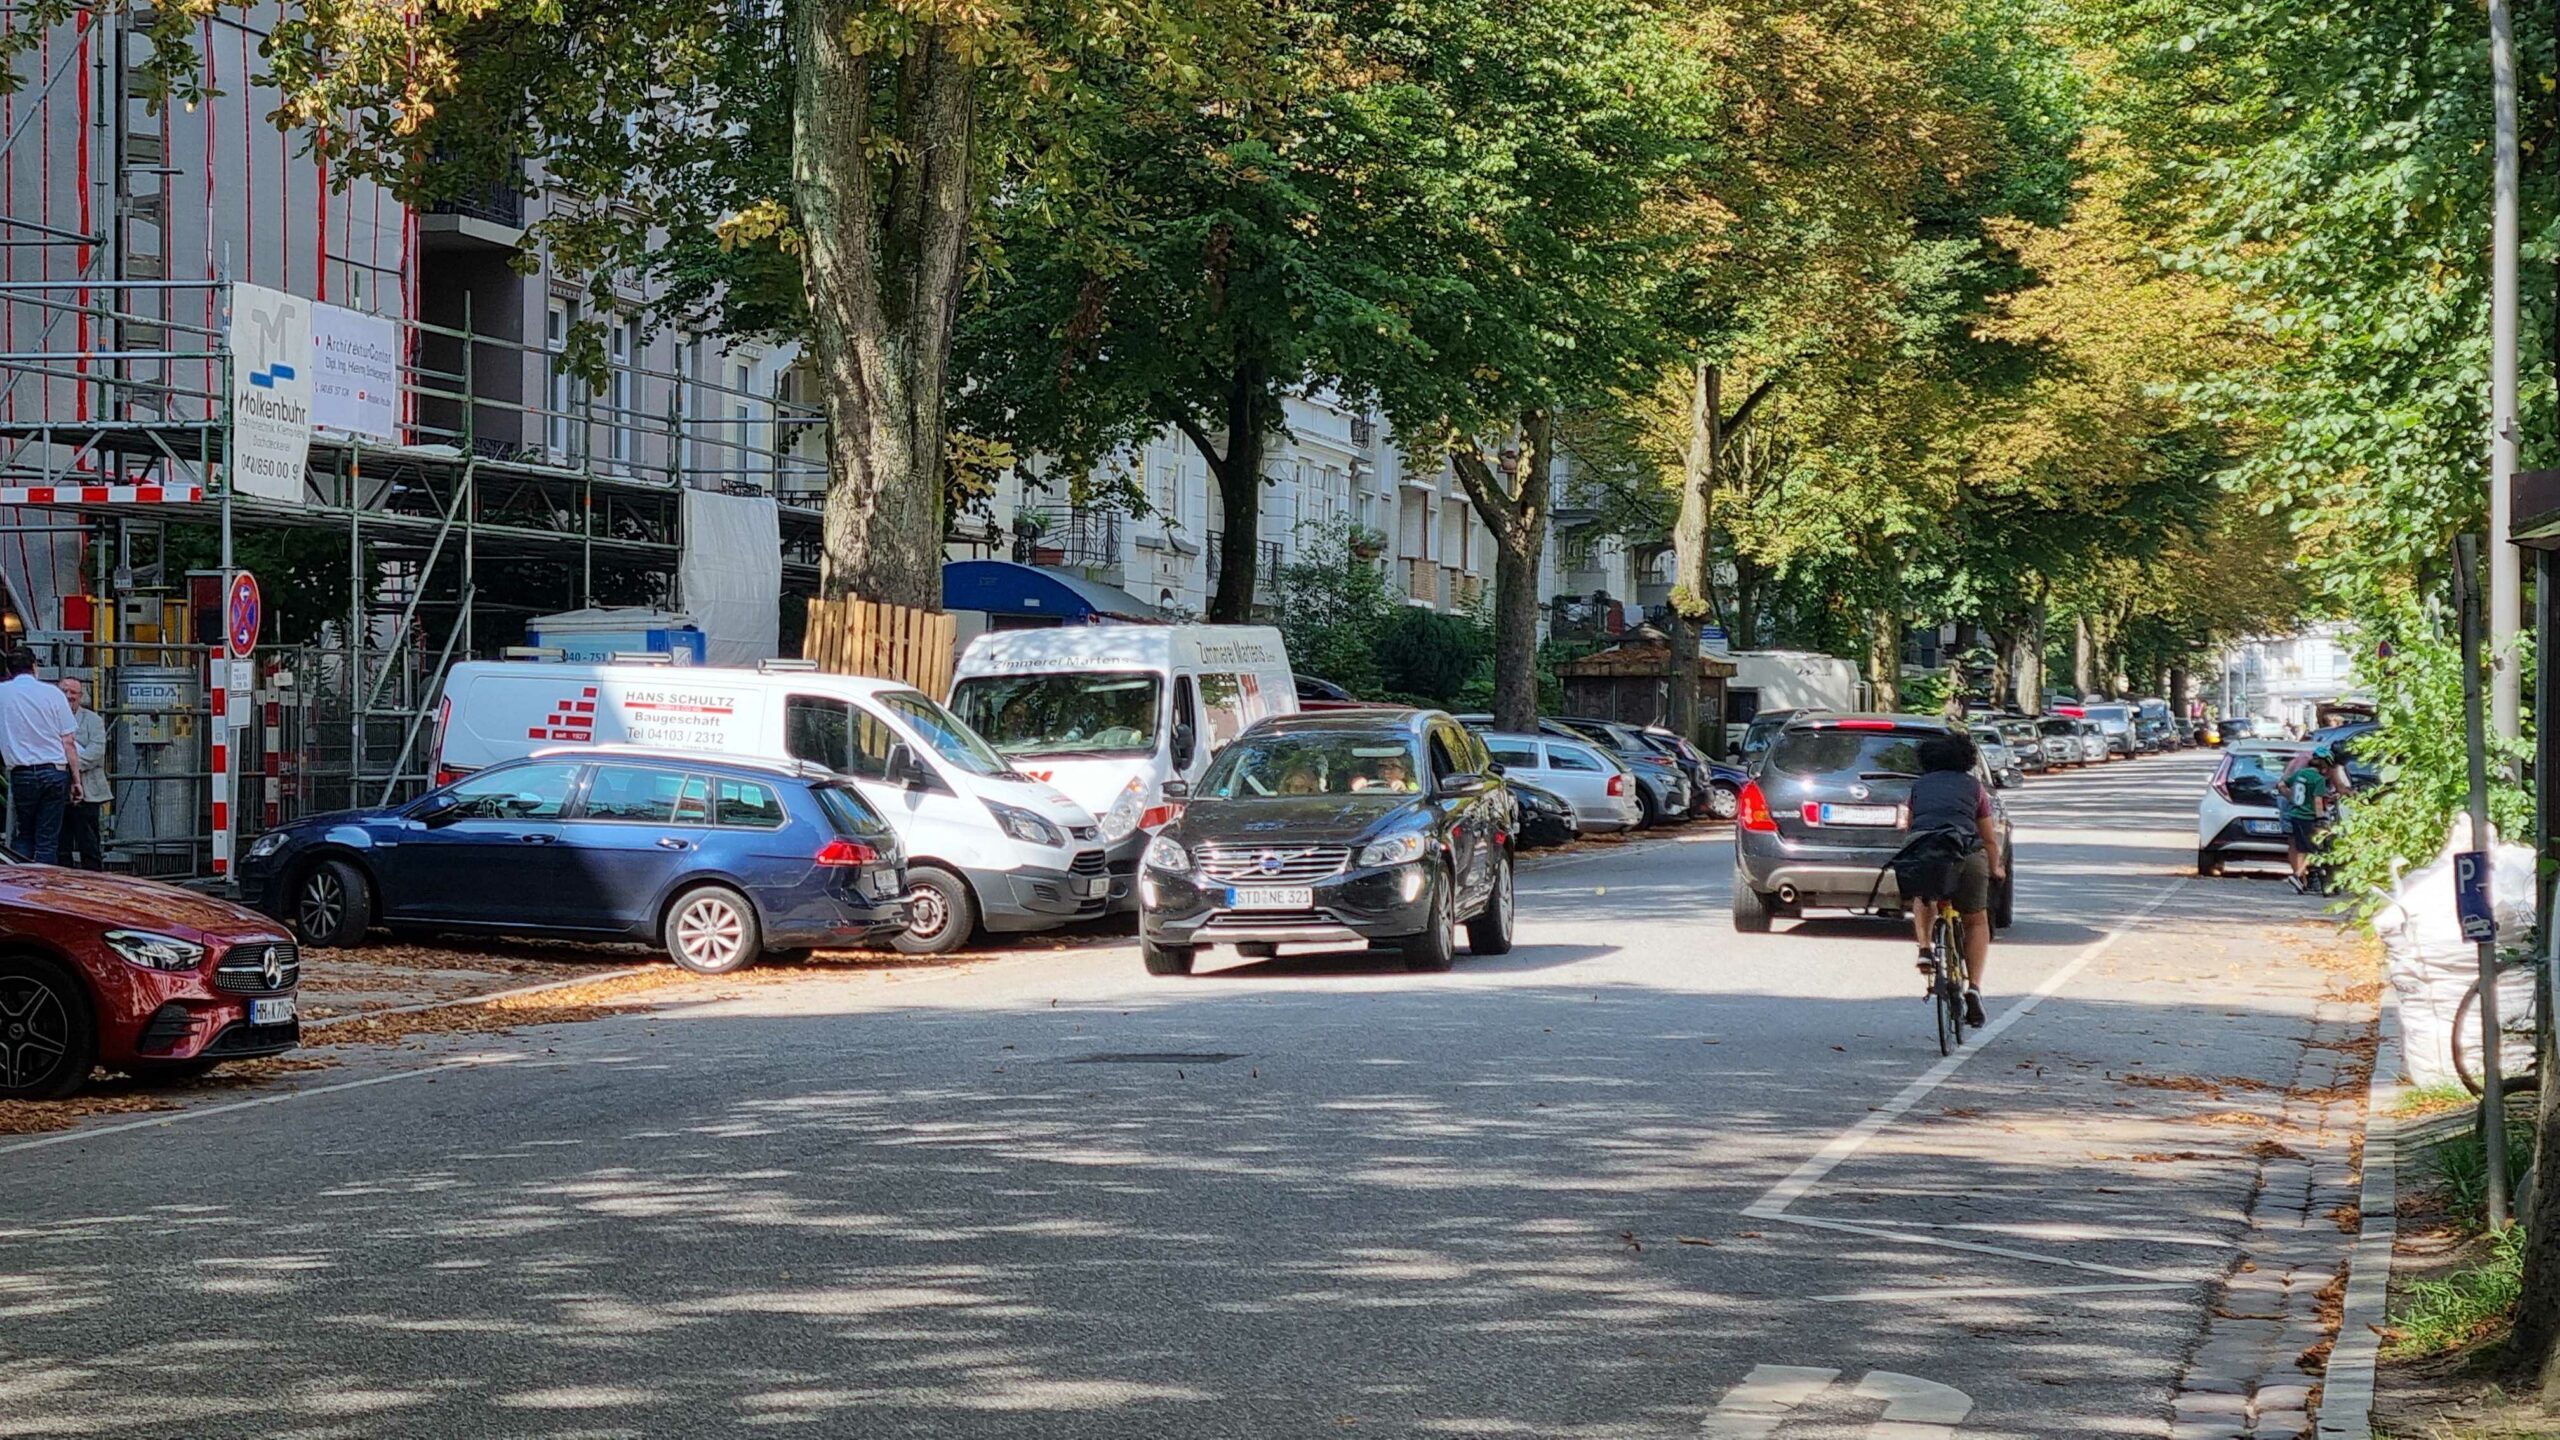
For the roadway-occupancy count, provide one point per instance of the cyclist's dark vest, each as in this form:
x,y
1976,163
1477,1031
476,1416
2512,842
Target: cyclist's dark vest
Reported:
x,y
1947,800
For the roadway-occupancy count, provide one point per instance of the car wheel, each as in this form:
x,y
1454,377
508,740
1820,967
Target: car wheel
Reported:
x,y
1257,949
1166,959
940,913
2208,863
1436,948
1649,814
48,1037
333,906
1489,933
1723,802
1750,907
712,930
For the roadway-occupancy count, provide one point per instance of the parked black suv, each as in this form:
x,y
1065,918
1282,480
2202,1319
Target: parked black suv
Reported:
x,y
1827,810
1349,827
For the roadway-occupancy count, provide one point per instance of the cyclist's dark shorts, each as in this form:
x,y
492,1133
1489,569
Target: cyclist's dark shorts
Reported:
x,y
2303,831
1973,884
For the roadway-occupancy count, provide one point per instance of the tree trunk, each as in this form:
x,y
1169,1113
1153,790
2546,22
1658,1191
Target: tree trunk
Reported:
x,y
2084,658
2534,1344
2027,673
2002,640
1516,512
1693,597
1884,646
1238,473
1746,602
884,245
2181,689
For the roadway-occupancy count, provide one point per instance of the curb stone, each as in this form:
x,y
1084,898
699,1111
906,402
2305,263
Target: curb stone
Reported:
x,y
2257,1370
2346,1408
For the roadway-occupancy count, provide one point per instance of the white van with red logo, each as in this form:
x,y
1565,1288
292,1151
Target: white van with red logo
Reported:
x,y
1108,713
987,846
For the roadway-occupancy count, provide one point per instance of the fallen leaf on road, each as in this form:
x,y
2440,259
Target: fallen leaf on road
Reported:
x,y
1629,1236
1694,1240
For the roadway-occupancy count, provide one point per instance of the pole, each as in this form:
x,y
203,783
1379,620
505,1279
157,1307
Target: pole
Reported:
x,y
2493,1103
2504,567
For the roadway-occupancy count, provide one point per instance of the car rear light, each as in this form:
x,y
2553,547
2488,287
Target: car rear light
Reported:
x,y
1617,786
847,852
1865,725
446,774
2222,782
1751,809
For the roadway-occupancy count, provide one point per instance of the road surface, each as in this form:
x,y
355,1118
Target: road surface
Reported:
x,y
1642,1177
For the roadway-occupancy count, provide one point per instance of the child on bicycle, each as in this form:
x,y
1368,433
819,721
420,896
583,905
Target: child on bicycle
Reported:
x,y
1948,799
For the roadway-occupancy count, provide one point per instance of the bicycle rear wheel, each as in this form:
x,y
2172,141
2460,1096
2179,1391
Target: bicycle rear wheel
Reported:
x,y
2519,989
1950,985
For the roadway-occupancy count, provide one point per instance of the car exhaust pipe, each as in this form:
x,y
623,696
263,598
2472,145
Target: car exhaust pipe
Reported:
x,y
1786,894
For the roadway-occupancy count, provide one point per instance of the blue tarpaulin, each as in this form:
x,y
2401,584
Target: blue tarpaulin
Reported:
x,y
1005,587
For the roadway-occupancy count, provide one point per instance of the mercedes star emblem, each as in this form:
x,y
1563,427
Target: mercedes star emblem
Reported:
x,y
272,969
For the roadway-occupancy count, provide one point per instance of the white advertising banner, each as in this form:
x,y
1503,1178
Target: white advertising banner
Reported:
x,y
355,373
270,339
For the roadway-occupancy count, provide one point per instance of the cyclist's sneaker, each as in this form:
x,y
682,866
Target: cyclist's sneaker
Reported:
x,y
1973,1007
1928,961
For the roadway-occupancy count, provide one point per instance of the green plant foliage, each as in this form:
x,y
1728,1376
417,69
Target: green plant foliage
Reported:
x,y
1427,658
1335,607
2470,1305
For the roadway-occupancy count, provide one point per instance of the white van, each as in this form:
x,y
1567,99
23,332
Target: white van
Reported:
x,y
1108,713
986,845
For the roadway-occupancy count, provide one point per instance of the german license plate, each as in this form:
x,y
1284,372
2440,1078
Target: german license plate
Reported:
x,y
1869,815
2266,827
271,1012
1270,897
1098,886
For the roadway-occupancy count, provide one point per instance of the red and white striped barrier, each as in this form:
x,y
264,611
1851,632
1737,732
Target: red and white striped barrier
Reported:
x,y
215,700
101,494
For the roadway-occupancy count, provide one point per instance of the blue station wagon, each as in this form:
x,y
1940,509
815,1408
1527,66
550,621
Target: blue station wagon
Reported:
x,y
719,860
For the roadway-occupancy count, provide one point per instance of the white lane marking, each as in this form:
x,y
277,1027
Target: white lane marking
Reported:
x,y
2093,1234
1879,1232
1915,1409
1999,1292
204,1112
1773,1205
1753,1408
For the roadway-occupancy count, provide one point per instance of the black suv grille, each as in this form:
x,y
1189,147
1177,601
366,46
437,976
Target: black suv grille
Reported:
x,y
244,968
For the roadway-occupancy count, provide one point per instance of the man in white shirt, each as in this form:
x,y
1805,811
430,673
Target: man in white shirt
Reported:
x,y
83,844
40,741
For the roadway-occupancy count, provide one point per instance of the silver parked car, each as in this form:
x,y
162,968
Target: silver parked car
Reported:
x,y
2093,742
1594,782
2061,737
1997,757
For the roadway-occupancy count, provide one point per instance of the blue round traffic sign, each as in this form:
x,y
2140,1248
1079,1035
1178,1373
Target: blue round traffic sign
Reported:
x,y
241,614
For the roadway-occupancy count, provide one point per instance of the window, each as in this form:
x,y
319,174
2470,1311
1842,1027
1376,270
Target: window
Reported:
x,y
849,812
742,417
1311,764
1516,756
824,731
557,432
939,729
522,792
748,803
1835,752
1223,699
1572,757
622,792
625,341
1090,714
1168,500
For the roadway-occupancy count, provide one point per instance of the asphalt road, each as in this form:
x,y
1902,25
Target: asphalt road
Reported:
x,y
1587,1189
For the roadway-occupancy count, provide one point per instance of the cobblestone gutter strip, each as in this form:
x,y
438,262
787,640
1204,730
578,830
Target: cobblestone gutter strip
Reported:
x,y
2257,1373
464,1001
2346,1405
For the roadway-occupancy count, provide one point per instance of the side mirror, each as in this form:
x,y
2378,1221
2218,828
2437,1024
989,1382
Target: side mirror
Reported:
x,y
1175,789
1186,743
436,809
903,769
1496,769
1460,787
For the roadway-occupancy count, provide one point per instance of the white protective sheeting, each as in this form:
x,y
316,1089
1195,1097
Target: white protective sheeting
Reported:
x,y
730,579
2428,962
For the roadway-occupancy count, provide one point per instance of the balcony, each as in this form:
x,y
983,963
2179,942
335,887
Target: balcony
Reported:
x,y
488,218
1069,535
1421,580
1463,590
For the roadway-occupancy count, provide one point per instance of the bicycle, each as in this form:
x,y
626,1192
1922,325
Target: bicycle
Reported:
x,y
1947,975
2519,1013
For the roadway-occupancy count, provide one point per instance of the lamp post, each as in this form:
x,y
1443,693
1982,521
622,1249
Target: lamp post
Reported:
x,y
2505,589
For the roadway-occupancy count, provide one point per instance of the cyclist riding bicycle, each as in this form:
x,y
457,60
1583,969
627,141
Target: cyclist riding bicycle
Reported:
x,y
1953,841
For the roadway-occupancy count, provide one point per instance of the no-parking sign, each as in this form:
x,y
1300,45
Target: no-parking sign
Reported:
x,y
241,614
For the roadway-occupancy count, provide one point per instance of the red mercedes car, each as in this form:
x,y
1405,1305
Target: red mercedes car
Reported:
x,y
141,977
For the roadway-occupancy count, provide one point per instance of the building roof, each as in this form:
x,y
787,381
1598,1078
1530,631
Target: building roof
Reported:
x,y
1644,651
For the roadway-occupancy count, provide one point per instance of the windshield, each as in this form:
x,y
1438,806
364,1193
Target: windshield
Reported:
x,y
1837,752
2059,727
1989,737
954,742
2108,714
1326,764
1062,714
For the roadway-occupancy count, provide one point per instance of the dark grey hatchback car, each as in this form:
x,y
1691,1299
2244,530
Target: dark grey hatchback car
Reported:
x,y
1343,827
1827,811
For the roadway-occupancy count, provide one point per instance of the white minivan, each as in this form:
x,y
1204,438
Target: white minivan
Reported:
x,y
986,845
1108,713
